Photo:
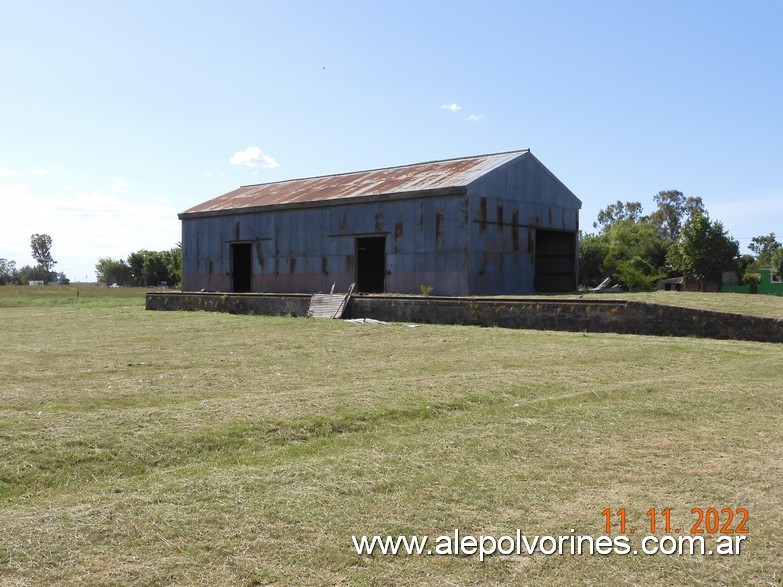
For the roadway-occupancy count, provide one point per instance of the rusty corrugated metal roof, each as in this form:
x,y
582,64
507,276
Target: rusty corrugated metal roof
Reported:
x,y
433,175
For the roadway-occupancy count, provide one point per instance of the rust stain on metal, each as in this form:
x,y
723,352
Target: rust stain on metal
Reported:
x,y
277,250
293,264
452,173
482,214
379,221
500,215
325,265
398,228
438,228
342,222
464,209
515,231
483,268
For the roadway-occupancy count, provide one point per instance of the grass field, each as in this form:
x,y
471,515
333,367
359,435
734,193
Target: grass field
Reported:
x,y
756,305
176,448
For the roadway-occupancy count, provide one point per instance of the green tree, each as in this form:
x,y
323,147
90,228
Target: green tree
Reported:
x,y
152,268
776,261
155,270
764,247
592,252
136,263
174,265
8,272
636,255
41,245
704,250
746,264
110,271
617,212
673,210
28,273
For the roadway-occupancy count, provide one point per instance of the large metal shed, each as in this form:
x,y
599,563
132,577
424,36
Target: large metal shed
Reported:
x,y
485,225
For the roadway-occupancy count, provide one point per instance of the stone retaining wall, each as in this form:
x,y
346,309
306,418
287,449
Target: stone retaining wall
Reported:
x,y
623,317
251,303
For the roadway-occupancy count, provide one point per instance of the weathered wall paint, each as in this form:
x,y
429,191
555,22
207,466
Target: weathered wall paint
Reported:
x,y
476,241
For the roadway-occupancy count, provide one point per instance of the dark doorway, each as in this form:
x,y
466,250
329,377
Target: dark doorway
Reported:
x,y
241,267
555,261
371,264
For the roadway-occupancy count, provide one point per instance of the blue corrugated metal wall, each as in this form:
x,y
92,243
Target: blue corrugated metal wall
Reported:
x,y
482,242
310,249
507,207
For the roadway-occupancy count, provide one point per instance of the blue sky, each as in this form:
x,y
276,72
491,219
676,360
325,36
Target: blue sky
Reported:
x,y
115,116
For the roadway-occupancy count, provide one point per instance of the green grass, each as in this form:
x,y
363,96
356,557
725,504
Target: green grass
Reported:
x,y
84,296
176,448
756,305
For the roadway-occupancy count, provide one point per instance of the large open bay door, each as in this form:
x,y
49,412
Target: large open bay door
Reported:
x,y
241,267
371,264
555,261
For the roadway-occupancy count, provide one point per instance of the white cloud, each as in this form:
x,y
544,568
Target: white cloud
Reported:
x,y
85,224
454,107
119,186
253,157
7,172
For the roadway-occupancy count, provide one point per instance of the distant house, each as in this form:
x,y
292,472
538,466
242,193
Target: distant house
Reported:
x,y
770,284
491,224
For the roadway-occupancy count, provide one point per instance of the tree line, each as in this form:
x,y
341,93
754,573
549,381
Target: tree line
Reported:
x,y
677,239
142,268
41,251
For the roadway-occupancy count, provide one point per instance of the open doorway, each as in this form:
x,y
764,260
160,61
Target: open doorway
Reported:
x,y
555,261
241,267
371,264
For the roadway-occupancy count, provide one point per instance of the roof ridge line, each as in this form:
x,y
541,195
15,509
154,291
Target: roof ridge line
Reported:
x,y
520,151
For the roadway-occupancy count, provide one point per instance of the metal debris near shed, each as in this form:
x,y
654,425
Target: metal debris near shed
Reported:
x,y
373,321
367,321
329,305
